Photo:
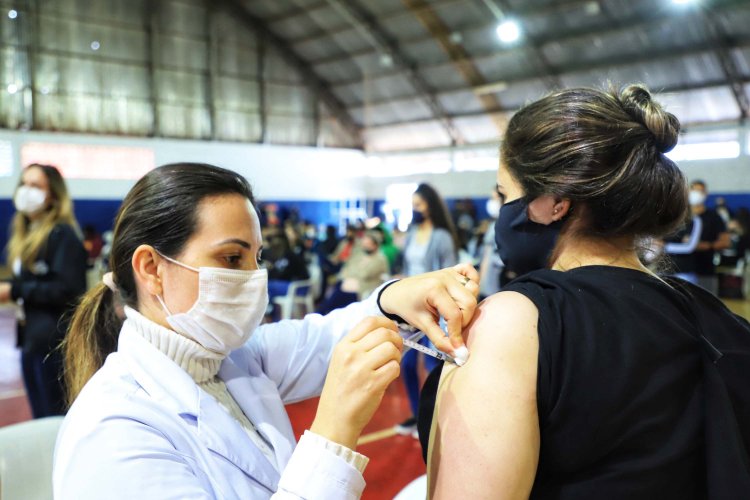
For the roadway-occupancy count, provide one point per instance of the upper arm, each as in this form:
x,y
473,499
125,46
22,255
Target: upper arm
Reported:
x,y
485,441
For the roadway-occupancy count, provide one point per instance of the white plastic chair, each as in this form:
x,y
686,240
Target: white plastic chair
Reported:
x,y
293,298
26,452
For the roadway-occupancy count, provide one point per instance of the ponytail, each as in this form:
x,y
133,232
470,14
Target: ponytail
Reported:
x,y
92,336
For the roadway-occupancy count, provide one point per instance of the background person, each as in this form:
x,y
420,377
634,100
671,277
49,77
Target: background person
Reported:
x,y
361,274
48,262
714,238
431,244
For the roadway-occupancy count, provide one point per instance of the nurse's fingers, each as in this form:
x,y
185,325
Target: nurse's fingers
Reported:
x,y
388,372
468,271
464,294
447,307
382,354
381,336
368,325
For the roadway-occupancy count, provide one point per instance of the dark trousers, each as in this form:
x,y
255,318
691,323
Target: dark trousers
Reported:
x,y
42,376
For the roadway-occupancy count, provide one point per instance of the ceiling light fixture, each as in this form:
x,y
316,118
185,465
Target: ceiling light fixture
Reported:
x,y
508,31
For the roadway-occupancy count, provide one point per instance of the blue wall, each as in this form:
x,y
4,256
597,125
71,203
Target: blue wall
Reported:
x,y
101,213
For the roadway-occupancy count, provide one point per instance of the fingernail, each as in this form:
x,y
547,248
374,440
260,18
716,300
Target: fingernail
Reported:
x,y
461,355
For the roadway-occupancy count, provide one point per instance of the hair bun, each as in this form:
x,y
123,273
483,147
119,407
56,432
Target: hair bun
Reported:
x,y
664,126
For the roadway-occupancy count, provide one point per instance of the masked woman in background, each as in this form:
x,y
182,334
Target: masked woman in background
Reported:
x,y
431,244
185,398
48,262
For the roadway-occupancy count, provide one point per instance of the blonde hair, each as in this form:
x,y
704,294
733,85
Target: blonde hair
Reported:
x,y
26,243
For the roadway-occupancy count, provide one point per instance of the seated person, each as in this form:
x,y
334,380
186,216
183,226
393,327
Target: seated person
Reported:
x,y
361,274
283,263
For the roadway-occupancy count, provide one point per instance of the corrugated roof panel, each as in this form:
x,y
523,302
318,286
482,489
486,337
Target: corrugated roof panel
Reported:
x,y
462,13
385,7
520,93
461,101
656,74
484,128
624,44
268,9
294,27
425,52
406,24
337,71
505,64
577,15
319,48
351,40
406,136
327,17
390,112
483,40
742,60
350,95
736,21
389,87
443,76
698,106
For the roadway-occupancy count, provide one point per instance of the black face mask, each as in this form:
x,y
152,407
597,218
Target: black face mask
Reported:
x,y
417,217
524,245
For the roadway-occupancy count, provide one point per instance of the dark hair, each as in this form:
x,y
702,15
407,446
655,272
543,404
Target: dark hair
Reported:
x,y
603,150
438,212
699,182
161,210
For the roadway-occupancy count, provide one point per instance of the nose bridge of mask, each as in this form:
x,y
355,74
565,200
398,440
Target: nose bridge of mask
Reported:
x,y
228,286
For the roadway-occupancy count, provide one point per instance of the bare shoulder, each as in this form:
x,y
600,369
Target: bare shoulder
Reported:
x,y
501,319
487,430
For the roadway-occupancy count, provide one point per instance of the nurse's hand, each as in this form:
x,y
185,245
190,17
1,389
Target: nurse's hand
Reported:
x,y
421,300
363,364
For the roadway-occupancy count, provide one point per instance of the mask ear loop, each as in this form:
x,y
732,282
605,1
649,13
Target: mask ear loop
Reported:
x,y
163,304
176,262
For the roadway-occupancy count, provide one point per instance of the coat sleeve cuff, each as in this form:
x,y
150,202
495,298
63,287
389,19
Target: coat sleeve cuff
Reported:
x,y
322,469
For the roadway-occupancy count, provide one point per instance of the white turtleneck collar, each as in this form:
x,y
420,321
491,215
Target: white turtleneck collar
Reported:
x,y
200,363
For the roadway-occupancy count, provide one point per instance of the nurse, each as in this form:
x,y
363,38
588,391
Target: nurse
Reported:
x,y
185,397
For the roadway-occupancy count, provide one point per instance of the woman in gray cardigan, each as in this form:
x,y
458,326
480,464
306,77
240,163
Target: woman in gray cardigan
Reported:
x,y
431,244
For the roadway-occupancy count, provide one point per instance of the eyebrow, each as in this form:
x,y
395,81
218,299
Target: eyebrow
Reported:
x,y
238,241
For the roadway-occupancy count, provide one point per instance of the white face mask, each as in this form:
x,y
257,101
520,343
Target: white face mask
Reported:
x,y
230,306
493,208
29,200
696,198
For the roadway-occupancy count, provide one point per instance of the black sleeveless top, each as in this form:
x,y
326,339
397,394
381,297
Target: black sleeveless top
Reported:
x,y
620,385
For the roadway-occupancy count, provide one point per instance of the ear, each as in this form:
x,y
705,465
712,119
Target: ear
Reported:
x,y
560,209
147,269
546,209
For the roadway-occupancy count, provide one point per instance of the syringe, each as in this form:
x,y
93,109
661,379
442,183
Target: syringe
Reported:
x,y
430,352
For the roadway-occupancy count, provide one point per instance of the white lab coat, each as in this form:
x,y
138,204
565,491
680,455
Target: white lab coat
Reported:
x,y
142,429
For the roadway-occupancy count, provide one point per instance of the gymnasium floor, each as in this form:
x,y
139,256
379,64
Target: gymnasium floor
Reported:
x,y
394,460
